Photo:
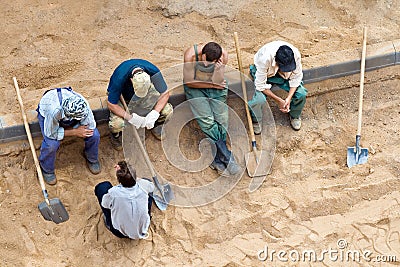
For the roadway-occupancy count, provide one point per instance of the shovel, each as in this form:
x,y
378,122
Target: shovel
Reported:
x,y
165,192
357,155
254,168
51,209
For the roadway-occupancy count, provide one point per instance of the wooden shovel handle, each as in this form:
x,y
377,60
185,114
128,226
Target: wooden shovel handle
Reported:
x,y
239,59
361,94
28,133
137,137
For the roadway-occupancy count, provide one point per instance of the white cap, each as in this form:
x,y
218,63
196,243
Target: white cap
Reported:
x,y
141,83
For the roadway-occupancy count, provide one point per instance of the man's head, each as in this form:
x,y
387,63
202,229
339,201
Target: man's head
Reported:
x,y
141,82
75,107
124,176
285,59
213,51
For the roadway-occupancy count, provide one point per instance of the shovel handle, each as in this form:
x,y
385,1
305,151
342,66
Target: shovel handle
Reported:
x,y
28,133
239,59
137,137
361,94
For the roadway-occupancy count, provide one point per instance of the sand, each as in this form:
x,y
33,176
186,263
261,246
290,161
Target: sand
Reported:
x,y
309,201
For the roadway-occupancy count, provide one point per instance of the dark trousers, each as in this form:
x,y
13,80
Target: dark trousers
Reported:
x,y
100,190
49,147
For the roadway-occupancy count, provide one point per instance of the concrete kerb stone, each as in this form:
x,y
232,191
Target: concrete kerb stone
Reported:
x,y
378,56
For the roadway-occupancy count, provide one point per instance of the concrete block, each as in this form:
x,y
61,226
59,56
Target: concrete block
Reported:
x,y
396,45
377,56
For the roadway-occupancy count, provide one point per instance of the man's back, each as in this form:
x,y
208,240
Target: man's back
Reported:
x,y
129,208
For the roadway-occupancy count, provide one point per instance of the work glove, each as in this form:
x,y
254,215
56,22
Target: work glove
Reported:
x,y
137,121
151,119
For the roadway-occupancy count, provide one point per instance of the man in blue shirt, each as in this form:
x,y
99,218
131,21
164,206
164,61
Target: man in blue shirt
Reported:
x,y
140,81
63,112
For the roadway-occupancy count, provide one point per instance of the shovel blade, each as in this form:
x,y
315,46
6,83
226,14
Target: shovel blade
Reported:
x,y
354,158
161,205
255,164
54,212
162,195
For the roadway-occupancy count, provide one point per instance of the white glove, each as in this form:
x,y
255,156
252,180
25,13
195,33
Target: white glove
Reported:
x,y
137,121
151,119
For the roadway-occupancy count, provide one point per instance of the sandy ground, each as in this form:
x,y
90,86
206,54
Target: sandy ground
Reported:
x,y
309,201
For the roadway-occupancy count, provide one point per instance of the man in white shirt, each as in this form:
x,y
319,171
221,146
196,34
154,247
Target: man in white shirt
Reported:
x,y
278,63
126,206
64,112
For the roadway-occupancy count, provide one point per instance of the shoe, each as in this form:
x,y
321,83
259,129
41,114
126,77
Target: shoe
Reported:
x,y
49,178
233,168
257,127
220,168
225,156
158,132
295,123
94,167
116,141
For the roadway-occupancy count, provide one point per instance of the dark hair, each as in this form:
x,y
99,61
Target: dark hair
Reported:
x,y
124,176
212,50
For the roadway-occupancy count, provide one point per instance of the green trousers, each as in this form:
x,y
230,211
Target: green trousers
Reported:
x,y
259,99
210,110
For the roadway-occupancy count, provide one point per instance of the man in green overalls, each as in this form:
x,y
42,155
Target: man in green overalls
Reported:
x,y
206,88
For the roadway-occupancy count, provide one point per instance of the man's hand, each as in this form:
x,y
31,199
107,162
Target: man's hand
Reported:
x,y
284,105
137,121
151,118
83,131
219,65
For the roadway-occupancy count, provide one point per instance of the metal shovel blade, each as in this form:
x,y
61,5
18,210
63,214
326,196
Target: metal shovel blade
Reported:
x,y
55,212
356,156
163,195
256,163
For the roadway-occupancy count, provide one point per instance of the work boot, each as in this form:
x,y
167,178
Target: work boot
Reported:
x,y
94,167
116,140
49,178
257,127
295,123
227,158
219,167
158,132
233,168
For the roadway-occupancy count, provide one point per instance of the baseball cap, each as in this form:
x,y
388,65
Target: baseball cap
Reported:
x,y
285,59
141,83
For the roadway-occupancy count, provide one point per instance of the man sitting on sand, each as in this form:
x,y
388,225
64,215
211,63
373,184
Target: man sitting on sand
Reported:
x,y
126,206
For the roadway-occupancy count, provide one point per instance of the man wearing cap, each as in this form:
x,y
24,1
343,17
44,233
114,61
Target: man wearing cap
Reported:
x,y
278,63
207,91
63,112
140,81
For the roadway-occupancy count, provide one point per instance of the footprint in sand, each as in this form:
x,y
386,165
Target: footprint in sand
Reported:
x,y
29,243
